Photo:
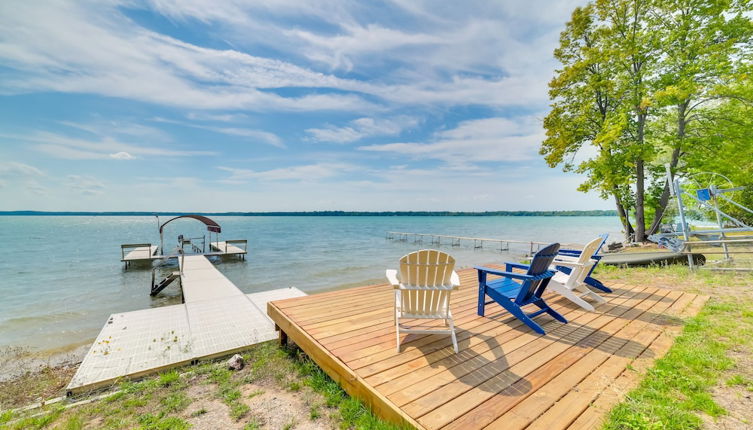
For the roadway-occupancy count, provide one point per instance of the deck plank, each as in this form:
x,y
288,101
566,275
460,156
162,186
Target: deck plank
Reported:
x,y
503,373
592,416
502,376
577,361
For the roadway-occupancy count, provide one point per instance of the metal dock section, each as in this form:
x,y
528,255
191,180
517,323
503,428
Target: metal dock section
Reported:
x,y
215,319
146,252
531,246
227,247
137,252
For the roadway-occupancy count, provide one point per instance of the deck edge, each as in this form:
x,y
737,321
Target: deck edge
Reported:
x,y
353,384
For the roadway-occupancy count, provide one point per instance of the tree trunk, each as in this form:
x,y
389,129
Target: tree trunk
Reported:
x,y
624,218
682,123
640,174
640,218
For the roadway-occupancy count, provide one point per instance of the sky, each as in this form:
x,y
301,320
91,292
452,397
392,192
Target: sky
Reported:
x,y
193,105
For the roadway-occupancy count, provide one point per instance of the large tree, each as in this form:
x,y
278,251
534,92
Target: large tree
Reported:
x,y
639,82
584,102
702,43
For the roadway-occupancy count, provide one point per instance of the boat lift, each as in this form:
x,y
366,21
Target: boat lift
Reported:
x,y
146,252
708,198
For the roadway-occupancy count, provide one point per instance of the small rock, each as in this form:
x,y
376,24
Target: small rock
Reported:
x,y
235,362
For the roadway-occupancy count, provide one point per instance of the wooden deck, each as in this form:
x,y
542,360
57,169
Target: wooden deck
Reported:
x,y
215,319
505,375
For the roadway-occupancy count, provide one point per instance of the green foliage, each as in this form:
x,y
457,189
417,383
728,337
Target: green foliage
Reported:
x,y
161,422
645,83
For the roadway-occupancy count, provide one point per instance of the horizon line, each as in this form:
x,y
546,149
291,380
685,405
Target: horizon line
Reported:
x,y
594,212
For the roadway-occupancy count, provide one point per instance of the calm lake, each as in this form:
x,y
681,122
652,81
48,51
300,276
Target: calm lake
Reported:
x,y
61,276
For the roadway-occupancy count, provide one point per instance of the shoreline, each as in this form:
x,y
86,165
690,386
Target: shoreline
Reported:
x,y
72,353
15,360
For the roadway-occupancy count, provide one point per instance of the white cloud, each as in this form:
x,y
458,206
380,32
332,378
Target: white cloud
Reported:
x,y
86,185
101,127
61,146
473,141
13,169
310,172
36,188
226,117
361,128
483,53
73,47
255,135
122,155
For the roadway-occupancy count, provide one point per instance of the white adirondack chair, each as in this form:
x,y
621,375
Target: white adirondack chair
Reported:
x,y
423,287
571,285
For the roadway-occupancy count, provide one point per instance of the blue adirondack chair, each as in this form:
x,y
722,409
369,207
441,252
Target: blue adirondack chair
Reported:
x,y
576,253
527,290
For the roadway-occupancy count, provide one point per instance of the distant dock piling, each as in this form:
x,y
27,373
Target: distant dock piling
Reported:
x,y
531,246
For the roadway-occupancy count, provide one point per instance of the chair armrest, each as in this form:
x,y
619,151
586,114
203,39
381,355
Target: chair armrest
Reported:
x,y
567,263
392,278
570,258
509,266
570,252
455,280
513,275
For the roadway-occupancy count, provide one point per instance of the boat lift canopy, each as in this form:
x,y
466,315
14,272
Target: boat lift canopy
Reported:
x,y
212,226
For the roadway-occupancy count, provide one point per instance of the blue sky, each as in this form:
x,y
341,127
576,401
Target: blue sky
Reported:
x,y
198,105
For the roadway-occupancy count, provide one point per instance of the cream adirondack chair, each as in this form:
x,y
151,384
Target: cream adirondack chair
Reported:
x,y
571,285
423,286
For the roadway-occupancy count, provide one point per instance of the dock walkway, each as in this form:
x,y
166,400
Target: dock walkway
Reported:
x,y
505,375
215,319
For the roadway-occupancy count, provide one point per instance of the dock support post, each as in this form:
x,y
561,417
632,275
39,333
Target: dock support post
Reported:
x,y
283,336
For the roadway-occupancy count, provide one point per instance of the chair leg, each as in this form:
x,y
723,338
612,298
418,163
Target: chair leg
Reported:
x,y
596,297
570,295
554,314
397,332
597,284
519,314
481,293
454,338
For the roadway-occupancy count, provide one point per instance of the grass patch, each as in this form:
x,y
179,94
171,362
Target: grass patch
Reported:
x,y
198,412
677,390
160,422
740,380
33,382
252,424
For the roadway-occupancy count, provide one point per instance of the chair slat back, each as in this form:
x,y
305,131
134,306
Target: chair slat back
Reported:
x,y
531,290
603,237
422,272
579,273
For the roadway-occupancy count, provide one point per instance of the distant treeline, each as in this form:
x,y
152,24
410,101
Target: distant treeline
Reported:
x,y
326,213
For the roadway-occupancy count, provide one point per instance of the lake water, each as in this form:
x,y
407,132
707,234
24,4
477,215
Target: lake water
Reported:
x,y
61,277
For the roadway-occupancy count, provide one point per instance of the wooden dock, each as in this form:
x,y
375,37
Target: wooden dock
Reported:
x,y
215,319
505,375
